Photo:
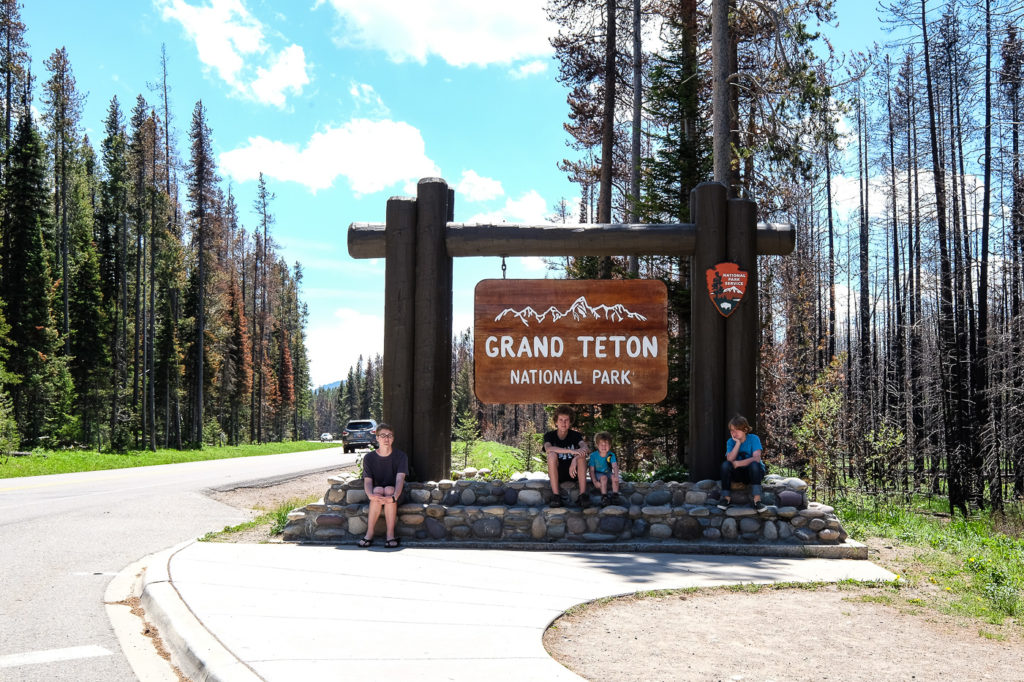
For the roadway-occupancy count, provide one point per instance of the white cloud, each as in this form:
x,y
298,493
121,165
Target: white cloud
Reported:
x,y
231,41
529,69
288,72
845,195
371,155
477,188
368,101
461,32
529,208
336,346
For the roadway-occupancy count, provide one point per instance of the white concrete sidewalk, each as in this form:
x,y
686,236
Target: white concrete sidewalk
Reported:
x,y
293,612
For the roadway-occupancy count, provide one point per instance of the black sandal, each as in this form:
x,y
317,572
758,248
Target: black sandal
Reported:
x,y
391,543
365,542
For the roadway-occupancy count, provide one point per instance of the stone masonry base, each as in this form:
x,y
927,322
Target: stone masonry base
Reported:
x,y
649,517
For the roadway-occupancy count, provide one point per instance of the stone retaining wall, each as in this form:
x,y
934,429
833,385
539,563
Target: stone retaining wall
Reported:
x,y
511,513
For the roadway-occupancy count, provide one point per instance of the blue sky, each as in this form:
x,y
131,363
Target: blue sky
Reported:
x,y
341,104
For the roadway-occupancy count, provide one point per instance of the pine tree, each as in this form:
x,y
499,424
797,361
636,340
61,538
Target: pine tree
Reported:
x,y
90,353
27,286
285,381
202,179
13,59
110,227
63,110
238,364
261,319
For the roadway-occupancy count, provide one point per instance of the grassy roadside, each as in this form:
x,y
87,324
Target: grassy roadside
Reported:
x,y
971,570
264,527
966,568
966,571
43,462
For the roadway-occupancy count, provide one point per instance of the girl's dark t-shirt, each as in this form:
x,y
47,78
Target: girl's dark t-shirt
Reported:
x,y
384,470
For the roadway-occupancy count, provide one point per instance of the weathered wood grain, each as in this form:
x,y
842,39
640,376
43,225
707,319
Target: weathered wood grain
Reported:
x,y
432,354
742,337
366,240
559,366
707,343
399,318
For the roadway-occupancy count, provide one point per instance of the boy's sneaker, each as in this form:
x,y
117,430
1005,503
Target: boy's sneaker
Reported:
x,y
584,501
724,503
557,501
605,500
760,506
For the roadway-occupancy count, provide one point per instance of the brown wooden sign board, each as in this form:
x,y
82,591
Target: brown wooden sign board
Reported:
x,y
571,341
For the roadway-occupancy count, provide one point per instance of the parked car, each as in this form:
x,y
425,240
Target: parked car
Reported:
x,y
359,433
326,437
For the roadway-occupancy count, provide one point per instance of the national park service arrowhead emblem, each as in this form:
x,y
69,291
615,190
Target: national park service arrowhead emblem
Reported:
x,y
726,286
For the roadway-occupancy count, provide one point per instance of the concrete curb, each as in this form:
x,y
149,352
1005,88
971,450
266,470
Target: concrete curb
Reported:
x,y
848,549
142,656
197,652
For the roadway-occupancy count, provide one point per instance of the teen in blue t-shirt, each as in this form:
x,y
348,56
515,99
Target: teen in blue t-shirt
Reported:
x,y
742,462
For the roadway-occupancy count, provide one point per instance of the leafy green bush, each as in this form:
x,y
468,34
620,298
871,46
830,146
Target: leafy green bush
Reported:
x,y
669,472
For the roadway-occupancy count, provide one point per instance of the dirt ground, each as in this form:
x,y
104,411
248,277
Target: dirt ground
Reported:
x,y
259,500
828,633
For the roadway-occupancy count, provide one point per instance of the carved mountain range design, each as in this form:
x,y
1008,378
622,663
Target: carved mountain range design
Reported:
x,y
579,310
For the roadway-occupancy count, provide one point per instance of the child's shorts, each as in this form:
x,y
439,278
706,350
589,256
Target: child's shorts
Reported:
x,y
598,475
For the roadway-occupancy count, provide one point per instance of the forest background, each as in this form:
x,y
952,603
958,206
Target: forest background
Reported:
x,y
890,342
139,310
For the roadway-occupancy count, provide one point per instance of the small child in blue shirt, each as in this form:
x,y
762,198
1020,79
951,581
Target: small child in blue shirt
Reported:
x,y
742,462
605,466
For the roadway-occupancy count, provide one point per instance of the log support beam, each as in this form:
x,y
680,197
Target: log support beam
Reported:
x,y
419,240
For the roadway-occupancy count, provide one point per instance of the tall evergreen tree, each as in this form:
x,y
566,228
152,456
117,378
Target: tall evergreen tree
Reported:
x,y
63,110
202,181
90,352
261,319
27,285
13,60
238,364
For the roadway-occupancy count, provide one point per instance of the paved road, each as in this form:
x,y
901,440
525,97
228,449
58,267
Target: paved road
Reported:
x,y
64,536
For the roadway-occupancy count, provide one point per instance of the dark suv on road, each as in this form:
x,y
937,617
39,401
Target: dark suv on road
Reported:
x,y
359,433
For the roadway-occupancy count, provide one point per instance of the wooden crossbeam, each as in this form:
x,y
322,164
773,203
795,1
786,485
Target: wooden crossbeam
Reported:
x,y
366,240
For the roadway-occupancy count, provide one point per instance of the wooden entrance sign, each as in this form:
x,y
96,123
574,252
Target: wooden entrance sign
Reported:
x,y
570,341
419,240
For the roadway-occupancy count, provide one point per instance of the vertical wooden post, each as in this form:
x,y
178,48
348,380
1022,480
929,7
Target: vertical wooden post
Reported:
x,y
707,356
432,355
742,337
399,319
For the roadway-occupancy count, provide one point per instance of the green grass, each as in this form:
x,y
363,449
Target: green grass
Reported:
x,y
276,519
968,566
42,462
502,460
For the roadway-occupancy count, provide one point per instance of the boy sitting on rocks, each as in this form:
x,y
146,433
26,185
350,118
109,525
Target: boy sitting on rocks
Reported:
x,y
566,449
743,462
604,466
